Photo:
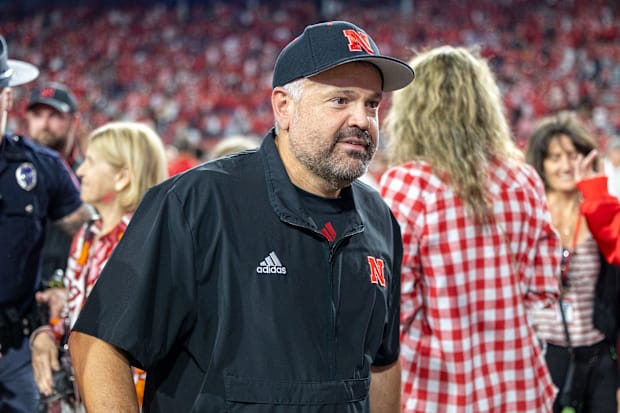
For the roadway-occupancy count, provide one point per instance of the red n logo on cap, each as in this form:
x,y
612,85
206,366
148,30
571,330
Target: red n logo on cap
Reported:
x,y
47,92
358,41
376,271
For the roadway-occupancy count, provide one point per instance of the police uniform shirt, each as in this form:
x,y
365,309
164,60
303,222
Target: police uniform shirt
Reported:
x,y
227,292
34,185
57,243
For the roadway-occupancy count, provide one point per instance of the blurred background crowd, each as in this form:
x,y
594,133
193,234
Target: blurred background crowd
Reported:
x,y
199,71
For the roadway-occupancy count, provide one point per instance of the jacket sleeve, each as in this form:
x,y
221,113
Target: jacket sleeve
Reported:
x,y
144,299
63,190
602,212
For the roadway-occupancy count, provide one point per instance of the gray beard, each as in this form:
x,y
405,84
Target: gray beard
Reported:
x,y
336,172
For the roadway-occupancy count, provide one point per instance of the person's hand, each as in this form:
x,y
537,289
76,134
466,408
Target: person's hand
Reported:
x,y
583,166
44,360
56,299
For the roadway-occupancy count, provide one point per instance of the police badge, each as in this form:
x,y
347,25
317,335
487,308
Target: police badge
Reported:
x,y
26,176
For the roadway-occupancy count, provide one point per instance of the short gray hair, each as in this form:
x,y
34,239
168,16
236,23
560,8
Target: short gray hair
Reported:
x,y
294,89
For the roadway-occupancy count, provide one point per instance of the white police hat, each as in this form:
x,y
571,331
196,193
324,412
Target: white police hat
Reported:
x,y
14,72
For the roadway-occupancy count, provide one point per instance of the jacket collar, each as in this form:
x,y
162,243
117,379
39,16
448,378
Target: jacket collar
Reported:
x,y
283,196
11,152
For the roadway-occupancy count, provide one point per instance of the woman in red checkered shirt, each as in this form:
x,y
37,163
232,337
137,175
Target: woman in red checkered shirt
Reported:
x,y
479,248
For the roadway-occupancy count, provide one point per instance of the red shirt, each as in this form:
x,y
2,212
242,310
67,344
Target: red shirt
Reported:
x,y
602,211
182,163
466,341
86,260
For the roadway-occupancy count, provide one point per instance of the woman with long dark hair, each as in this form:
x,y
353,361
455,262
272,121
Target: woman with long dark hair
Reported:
x,y
590,285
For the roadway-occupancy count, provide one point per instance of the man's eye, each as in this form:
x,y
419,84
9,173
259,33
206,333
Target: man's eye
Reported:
x,y
340,101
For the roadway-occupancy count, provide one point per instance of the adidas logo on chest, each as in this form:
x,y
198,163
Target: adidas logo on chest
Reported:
x,y
271,265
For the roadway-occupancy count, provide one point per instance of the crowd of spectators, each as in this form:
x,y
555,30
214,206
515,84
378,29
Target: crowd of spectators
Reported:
x,y
202,71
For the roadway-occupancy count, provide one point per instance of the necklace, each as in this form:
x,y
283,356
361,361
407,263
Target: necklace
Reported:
x,y
565,219
567,230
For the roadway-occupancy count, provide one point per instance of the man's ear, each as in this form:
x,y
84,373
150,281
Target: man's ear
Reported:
x,y
282,106
72,133
75,122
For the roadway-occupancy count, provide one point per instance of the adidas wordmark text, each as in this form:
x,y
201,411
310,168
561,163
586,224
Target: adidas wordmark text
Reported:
x,y
271,265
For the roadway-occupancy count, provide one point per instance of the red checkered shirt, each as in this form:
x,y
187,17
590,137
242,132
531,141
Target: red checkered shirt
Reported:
x,y
86,261
466,343
89,253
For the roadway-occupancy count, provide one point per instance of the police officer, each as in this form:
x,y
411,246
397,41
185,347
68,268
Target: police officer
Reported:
x,y
34,185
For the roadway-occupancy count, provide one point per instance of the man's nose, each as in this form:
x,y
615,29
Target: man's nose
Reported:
x,y
360,117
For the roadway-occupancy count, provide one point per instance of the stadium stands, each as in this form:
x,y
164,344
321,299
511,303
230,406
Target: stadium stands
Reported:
x,y
204,68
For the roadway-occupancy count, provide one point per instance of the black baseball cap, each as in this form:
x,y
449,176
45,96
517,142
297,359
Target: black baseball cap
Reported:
x,y
55,95
14,72
323,46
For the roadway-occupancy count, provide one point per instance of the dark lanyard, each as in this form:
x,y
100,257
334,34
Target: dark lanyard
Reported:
x,y
565,283
566,257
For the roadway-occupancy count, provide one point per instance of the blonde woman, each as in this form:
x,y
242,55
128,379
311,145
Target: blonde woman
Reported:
x,y
123,160
478,243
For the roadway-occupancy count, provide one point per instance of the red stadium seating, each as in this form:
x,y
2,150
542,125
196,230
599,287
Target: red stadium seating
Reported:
x,y
207,67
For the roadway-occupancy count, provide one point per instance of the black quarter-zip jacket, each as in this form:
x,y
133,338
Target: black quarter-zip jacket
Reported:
x,y
226,292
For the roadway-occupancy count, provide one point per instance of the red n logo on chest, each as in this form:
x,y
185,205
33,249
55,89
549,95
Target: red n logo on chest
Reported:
x,y
358,41
376,271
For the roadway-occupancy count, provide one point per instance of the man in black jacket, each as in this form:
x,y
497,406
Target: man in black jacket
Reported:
x,y
267,281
